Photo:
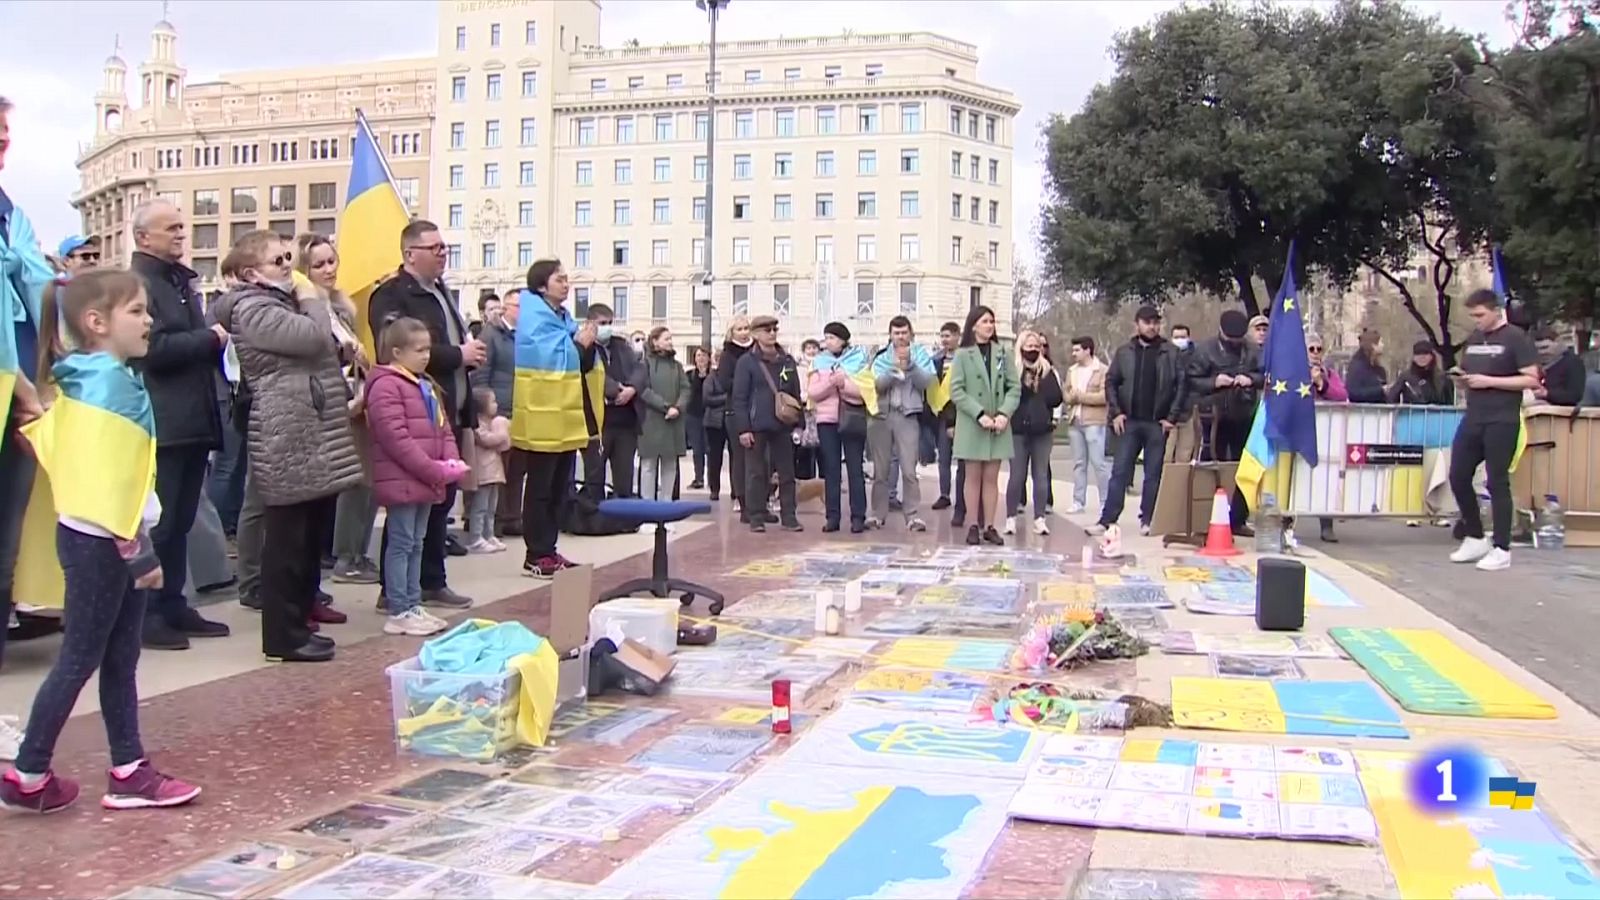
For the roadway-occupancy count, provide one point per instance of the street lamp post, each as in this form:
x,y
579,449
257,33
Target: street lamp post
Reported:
x,y
711,8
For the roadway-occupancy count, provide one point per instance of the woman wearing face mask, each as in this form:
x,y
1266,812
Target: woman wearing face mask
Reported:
x,y
985,390
1365,379
695,415
666,396
1032,432
302,452
718,392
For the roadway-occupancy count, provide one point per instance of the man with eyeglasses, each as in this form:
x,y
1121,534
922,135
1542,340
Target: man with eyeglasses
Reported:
x,y
78,254
417,291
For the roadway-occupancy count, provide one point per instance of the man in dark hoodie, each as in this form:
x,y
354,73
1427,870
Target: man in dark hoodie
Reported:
x,y
1562,376
625,380
1227,370
1146,391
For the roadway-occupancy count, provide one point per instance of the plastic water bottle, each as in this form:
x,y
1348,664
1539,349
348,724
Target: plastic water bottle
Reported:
x,y
1269,525
1550,525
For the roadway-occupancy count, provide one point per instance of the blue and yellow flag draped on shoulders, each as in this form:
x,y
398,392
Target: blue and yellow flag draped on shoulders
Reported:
x,y
1498,267
547,394
1285,423
96,448
369,227
857,367
24,272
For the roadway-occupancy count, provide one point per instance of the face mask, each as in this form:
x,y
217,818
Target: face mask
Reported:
x,y
1181,343
1030,356
603,333
286,284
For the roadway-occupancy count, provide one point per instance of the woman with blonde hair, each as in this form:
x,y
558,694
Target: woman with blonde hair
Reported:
x,y
1032,431
718,391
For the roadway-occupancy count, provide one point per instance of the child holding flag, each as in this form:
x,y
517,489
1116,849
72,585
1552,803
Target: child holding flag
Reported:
x,y
97,444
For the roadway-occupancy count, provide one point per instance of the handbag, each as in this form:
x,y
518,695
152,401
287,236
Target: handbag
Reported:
x,y
784,406
852,419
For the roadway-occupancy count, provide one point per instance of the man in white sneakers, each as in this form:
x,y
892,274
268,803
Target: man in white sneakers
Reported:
x,y
1498,363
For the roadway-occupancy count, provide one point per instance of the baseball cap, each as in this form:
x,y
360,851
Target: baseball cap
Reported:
x,y
1147,313
1421,348
1259,320
72,243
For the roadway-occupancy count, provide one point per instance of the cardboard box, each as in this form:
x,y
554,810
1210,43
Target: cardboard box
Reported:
x,y
651,664
571,598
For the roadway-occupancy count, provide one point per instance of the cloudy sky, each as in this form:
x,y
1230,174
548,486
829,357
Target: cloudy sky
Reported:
x,y
1047,52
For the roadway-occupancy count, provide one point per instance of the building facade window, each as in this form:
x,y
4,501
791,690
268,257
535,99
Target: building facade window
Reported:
x,y
866,299
491,86
525,214
741,251
910,248
780,300
908,298
825,164
584,173
744,124
662,169
530,132
664,127
782,251
783,165
280,198
658,302
783,123
867,248
243,201
580,255
866,205
458,89
625,130
824,206
622,171
827,120
867,120
530,84
741,167
867,162
490,259
525,173
782,208
456,216
458,135
741,299
910,162
910,204
491,133
661,211
910,117
660,253
524,254
620,257
491,175
582,214
621,212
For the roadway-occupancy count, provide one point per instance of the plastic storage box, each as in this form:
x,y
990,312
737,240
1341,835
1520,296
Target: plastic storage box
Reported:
x,y
452,714
652,621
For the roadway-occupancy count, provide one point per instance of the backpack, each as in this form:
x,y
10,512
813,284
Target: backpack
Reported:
x,y
583,516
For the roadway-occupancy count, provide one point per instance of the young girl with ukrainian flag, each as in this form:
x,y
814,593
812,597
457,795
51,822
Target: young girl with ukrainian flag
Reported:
x,y
97,445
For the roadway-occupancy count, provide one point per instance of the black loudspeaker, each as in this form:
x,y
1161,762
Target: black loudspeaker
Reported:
x,y
1280,594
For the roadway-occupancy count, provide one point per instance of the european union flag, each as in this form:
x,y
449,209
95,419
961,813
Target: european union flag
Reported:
x,y
1291,414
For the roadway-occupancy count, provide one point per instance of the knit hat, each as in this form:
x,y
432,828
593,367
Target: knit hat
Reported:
x,y
838,330
1233,324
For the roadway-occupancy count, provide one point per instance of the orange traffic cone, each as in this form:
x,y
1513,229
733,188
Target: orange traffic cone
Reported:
x,y
1219,537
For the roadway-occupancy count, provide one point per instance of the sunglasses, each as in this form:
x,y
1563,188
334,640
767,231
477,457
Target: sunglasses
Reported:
x,y
283,259
1313,349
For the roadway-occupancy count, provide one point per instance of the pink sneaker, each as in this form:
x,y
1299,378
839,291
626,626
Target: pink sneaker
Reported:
x,y
52,795
146,788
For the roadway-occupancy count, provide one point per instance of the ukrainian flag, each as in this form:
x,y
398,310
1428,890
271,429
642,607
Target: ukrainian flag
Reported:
x,y
24,272
1505,302
857,367
939,391
547,395
369,227
96,448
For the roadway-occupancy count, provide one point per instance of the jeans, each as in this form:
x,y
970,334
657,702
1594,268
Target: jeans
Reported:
x,y
107,616
1136,436
927,439
842,455
291,569
516,465
433,543
943,446
180,477
658,477
1031,454
695,432
773,453
407,528
225,485
618,447
249,539
892,440
1088,454
716,444
1493,444
16,485
354,516
480,512
547,491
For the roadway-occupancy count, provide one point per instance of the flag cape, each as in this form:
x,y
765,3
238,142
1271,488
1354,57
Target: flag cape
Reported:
x,y
369,228
883,364
547,394
1285,422
24,272
96,448
854,363
1498,267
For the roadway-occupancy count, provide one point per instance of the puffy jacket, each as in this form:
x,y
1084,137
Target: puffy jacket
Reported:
x,y
499,370
1215,357
1364,380
826,396
1172,385
1036,408
184,357
298,436
753,407
408,444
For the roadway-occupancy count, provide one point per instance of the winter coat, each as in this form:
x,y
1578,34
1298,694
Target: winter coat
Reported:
x,y
1422,387
624,368
978,389
1215,357
298,436
1364,380
1036,406
1333,388
181,365
1564,380
491,439
825,395
1090,403
404,296
1172,383
753,408
666,385
696,410
499,369
408,445
719,388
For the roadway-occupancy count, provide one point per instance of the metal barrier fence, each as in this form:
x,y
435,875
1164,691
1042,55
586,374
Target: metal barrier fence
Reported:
x,y
1374,460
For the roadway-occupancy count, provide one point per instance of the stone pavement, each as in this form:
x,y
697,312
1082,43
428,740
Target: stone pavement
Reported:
x,y
280,747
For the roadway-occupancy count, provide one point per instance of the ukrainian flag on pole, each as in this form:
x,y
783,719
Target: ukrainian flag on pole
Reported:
x,y
1498,266
1286,419
369,227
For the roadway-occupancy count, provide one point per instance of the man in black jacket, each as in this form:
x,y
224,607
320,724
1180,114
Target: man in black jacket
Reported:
x,y
180,372
1562,379
1146,395
1227,370
417,291
619,433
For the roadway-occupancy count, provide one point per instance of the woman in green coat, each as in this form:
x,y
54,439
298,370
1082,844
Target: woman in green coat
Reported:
x,y
985,392
662,439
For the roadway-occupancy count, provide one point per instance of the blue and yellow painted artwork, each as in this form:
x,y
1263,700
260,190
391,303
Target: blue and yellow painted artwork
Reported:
x,y
874,737
825,832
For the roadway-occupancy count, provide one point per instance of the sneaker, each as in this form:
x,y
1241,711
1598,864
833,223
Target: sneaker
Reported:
x,y
413,622
857,527
454,547
917,525
444,598
354,573
990,536
1011,525
1144,528
382,606
874,522
328,562
251,602
974,536
1074,509
941,503
145,788
759,526
48,796
1095,530
1041,525
442,623
543,567
957,521
1472,550
498,545
792,525
480,547
1495,560
10,737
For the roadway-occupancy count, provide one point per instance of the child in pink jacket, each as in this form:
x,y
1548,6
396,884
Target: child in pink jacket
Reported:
x,y
493,439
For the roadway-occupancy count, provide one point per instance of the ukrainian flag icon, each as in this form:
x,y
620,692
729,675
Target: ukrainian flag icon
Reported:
x,y
1511,793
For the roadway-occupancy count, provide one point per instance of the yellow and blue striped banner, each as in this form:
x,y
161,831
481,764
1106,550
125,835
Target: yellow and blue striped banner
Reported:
x,y
1427,673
